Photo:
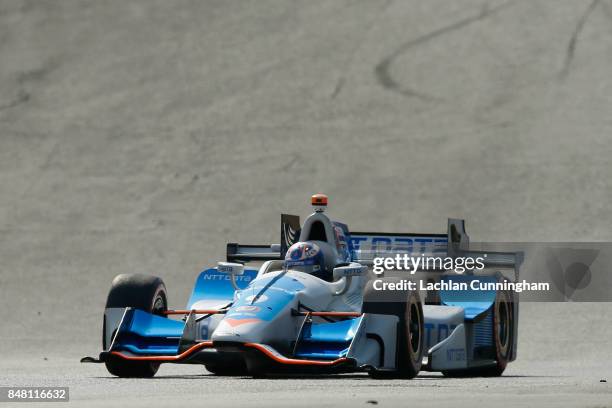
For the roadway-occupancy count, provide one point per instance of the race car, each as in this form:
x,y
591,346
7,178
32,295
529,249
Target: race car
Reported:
x,y
311,306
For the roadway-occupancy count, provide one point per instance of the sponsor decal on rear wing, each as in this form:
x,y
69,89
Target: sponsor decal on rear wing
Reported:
x,y
365,246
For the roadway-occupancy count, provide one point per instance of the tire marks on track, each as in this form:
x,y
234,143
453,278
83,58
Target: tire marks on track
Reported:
x,y
570,51
382,70
349,62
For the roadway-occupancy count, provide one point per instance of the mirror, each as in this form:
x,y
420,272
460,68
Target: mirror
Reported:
x,y
347,272
354,269
230,268
233,270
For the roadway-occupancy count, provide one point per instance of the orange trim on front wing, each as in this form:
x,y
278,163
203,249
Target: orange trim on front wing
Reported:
x,y
178,357
292,361
206,344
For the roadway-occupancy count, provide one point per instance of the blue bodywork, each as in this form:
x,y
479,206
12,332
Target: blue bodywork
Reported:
x,y
265,298
145,333
327,341
473,302
217,286
483,331
477,306
142,333
148,334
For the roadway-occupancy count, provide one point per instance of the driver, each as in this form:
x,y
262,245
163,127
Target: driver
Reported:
x,y
307,257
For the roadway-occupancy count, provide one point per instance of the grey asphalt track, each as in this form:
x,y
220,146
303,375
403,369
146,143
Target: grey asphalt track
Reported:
x,y
143,136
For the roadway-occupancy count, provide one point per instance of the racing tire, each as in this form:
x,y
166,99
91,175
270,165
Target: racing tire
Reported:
x,y
410,352
411,329
503,329
144,292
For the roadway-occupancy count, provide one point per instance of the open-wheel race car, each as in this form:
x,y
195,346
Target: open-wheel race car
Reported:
x,y
311,306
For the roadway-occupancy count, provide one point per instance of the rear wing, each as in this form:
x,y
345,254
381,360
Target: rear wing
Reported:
x,y
459,246
365,246
362,244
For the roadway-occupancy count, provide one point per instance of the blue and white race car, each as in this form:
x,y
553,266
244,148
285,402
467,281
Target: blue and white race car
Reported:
x,y
313,305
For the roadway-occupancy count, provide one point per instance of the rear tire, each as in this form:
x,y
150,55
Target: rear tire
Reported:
x,y
410,353
407,306
503,329
142,292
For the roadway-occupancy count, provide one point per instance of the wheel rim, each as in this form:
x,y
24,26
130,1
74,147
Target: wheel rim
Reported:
x,y
414,325
503,327
159,305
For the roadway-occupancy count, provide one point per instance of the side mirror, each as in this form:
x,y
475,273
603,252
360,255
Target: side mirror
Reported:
x,y
347,272
351,270
231,269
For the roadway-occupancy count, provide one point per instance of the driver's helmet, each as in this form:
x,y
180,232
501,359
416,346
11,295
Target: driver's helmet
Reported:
x,y
305,257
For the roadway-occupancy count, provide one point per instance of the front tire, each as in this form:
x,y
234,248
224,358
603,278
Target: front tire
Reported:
x,y
142,292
